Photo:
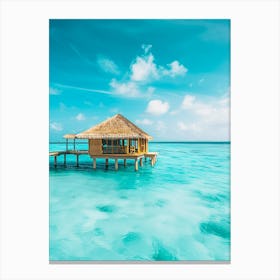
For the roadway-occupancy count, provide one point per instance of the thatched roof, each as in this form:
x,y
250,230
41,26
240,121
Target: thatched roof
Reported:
x,y
116,127
69,136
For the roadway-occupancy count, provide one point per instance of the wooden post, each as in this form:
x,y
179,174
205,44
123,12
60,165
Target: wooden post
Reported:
x,y
116,164
94,163
136,164
77,159
65,159
124,162
55,161
106,162
67,144
74,144
141,161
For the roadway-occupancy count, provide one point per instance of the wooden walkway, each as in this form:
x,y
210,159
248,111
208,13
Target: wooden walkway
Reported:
x,y
136,157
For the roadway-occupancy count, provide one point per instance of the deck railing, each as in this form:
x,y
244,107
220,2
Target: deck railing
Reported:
x,y
119,150
115,150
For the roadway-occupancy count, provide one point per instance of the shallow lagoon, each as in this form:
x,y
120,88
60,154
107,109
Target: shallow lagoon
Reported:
x,y
177,210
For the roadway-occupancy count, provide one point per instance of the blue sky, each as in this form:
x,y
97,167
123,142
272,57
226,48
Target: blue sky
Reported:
x,y
170,77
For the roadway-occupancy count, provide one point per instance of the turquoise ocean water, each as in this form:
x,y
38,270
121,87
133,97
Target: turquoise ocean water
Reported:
x,y
177,210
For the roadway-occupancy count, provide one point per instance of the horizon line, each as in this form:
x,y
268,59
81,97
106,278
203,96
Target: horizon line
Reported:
x,y
164,141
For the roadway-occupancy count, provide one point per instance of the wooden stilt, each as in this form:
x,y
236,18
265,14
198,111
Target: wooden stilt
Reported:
x,y
116,164
141,161
55,161
124,162
77,160
94,163
136,165
106,162
64,159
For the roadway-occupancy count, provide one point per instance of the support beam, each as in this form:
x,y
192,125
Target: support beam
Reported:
x,y
77,160
67,144
94,163
124,162
141,161
64,159
55,161
106,162
116,164
136,165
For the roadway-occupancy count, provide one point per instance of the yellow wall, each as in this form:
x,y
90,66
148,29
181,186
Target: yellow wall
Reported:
x,y
95,146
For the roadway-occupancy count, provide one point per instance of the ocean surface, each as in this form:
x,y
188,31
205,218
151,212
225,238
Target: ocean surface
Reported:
x,y
177,210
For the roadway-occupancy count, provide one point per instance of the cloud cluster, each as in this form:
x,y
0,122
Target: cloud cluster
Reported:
x,y
142,71
145,69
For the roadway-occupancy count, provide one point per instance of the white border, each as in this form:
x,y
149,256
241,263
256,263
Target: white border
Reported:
x,y
254,135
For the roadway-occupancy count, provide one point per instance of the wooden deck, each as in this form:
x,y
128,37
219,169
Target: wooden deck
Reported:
x,y
136,157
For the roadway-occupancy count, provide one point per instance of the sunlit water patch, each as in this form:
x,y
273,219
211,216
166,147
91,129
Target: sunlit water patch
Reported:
x,y
177,210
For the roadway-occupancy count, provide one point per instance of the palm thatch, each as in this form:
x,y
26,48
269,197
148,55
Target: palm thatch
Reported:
x,y
116,127
69,136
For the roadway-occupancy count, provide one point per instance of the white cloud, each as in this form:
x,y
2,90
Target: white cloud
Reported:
x,y
188,101
128,89
144,122
56,126
80,117
175,69
108,65
144,68
157,107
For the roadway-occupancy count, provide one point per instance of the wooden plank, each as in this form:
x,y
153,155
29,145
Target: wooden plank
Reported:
x,y
136,165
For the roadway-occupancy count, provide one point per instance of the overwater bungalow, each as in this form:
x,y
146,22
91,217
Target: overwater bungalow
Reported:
x,y
115,138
